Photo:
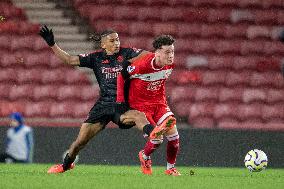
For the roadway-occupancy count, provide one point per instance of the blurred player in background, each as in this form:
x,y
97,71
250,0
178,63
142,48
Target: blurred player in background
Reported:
x,y
106,64
144,90
19,142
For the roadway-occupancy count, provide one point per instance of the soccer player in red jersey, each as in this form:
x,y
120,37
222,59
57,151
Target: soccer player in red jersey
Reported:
x,y
145,79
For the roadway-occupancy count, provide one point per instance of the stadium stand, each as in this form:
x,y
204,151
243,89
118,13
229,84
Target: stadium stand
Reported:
x,y
227,60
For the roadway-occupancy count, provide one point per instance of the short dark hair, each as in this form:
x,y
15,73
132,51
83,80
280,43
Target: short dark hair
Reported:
x,y
163,40
97,37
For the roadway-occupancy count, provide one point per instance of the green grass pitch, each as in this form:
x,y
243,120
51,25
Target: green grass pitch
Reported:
x,y
115,177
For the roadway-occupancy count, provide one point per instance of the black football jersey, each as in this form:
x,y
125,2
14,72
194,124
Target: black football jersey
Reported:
x,y
106,68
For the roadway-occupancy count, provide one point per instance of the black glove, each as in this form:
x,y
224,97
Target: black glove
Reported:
x,y
47,35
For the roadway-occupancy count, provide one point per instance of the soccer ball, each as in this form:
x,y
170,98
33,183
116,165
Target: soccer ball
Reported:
x,y
256,160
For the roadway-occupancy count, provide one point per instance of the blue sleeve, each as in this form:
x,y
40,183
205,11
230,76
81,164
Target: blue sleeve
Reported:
x,y
30,146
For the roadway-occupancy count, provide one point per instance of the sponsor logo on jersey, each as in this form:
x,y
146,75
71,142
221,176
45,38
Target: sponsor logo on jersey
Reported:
x,y
105,62
130,69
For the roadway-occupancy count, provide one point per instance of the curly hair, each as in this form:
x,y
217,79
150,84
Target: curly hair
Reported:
x,y
163,40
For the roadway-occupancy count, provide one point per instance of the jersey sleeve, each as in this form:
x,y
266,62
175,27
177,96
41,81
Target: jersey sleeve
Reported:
x,y
86,60
132,52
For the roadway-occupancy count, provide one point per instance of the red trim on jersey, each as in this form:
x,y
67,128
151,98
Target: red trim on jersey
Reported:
x,y
120,89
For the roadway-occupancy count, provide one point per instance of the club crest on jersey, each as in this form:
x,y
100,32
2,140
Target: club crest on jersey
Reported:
x,y
130,69
120,58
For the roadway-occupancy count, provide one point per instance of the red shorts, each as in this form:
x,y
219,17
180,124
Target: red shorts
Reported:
x,y
155,113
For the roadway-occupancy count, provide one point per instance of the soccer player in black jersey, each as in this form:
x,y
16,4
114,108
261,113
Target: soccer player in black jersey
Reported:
x,y
106,64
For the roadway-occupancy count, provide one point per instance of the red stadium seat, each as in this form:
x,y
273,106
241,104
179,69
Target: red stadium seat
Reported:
x,y
201,110
219,15
234,79
225,111
141,28
245,63
214,30
254,95
196,15
207,94
230,47
261,79
99,12
202,122
189,30
81,109
5,41
249,112
182,108
275,96
52,76
182,93
37,109
220,62
45,92
149,14
273,112
214,78
275,125
89,93
4,91
236,31
28,76
166,28
7,76
75,76
119,26
23,92
67,92
6,107
125,13
135,2
230,94
172,14
138,42
252,47
61,110
258,32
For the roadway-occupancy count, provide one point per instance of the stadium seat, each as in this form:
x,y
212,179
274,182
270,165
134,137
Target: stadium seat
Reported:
x,y
252,47
4,90
119,26
207,94
200,110
261,32
246,62
261,79
138,42
52,76
182,93
28,76
6,107
61,110
237,79
141,28
254,95
7,76
75,76
236,31
214,78
44,92
202,122
196,15
149,14
37,109
165,28
227,47
249,112
213,30
89,92
23,92
172,14
275,125
67,92
182,108
275,95
5,42
81,109
273,112
224,111
230,94
220,62
135,2
188,30
125,13
99,12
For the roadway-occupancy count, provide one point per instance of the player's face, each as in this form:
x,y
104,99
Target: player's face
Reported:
x,y
111,43
166,55
14,123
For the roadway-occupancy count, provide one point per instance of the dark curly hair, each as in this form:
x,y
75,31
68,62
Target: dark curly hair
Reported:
x,y
163,40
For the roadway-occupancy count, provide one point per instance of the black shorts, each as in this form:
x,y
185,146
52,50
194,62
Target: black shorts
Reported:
x,y
104,112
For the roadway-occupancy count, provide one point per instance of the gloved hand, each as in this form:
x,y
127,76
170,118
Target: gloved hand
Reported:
x,y
47,35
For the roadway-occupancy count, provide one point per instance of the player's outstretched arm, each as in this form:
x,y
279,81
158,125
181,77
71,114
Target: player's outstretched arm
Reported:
x,y
47,35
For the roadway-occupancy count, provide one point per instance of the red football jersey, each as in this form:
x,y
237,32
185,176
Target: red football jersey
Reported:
x,y
147,84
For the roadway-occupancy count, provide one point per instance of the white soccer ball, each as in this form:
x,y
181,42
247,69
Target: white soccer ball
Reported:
x,y
256,160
